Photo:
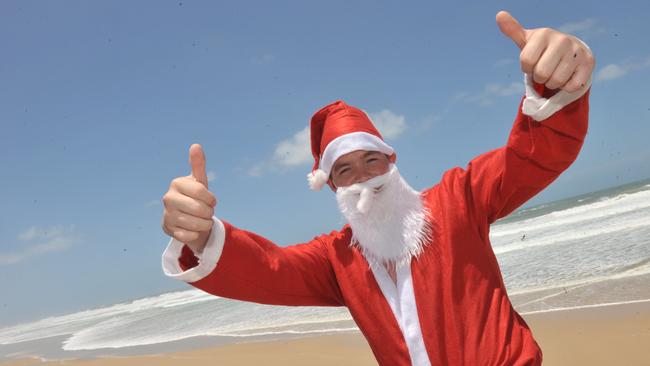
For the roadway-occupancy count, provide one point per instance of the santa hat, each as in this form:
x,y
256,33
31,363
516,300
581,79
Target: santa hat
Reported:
x,y
338,129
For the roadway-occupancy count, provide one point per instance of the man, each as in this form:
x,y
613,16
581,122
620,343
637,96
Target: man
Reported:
x,y
415,269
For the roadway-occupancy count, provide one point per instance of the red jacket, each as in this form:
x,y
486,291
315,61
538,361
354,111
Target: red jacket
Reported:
x,y
464,312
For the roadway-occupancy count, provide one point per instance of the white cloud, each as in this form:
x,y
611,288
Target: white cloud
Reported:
x,y
295,150
504,62
610,72
462,95
263,59
513,88
579,26
211,176
258,169
615,71
152,203
39,241
490,92
583,28
288,153
35,232
10,258
429,121
388,123
30,234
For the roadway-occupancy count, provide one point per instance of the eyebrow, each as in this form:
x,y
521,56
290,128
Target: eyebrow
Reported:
x,y
365,155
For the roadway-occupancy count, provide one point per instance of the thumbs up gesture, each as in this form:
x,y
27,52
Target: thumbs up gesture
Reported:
x,y
552,58
189,205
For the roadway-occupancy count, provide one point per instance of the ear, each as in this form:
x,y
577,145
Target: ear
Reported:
x,y
332,186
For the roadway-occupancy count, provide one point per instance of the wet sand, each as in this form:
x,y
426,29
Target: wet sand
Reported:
x,y
582,332
602,335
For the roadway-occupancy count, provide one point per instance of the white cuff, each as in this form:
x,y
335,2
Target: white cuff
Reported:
x,y
207,260
541,108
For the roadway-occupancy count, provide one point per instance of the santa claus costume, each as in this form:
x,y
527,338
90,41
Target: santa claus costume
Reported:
x,y
448,304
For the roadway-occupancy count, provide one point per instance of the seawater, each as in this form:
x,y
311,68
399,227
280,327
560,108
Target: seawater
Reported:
x,y
585,240
596,236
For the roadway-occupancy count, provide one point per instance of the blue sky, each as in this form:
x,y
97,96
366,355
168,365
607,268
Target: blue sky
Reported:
x,y
100,102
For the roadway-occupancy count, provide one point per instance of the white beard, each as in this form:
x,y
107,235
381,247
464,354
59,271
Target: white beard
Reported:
x,y
388,218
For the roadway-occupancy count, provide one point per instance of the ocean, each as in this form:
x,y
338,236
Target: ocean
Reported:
x,y
584,251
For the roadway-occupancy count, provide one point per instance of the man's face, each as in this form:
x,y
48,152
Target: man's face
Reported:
x,y
358,166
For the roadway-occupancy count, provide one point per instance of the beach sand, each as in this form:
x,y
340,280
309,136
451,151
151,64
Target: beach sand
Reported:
x,y
341,349
607,335
601,335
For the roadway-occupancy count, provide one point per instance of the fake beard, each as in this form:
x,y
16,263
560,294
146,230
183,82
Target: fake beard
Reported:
x,y
387,217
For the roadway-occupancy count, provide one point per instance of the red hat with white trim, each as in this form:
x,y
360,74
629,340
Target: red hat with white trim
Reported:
x,y
338,129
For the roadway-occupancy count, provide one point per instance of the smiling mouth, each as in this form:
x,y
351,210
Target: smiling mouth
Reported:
x,y
378,189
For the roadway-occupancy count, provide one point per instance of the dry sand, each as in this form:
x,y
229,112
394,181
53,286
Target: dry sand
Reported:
x,y
614,335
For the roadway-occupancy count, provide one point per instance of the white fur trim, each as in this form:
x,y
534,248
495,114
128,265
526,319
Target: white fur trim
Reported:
x,y
541,108
351,142
207,260
401,299
317,179
365,200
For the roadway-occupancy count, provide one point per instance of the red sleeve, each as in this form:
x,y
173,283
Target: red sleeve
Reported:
x,y
500,181
187,259
252,268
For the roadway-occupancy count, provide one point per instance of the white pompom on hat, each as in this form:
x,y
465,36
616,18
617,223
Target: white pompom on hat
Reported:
x,y
338,129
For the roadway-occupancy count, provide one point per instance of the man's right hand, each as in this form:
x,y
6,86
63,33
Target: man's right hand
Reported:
x,y
189,205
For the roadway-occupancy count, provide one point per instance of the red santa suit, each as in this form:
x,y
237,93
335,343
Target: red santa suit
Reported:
x,y
450,305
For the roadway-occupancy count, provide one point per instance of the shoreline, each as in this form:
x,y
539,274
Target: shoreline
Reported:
x,y
552,314
592,335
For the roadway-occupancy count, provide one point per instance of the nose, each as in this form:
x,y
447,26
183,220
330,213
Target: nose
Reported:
x,y
361,180
364,176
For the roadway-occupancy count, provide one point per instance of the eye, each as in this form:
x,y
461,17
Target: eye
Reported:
x,y
343,171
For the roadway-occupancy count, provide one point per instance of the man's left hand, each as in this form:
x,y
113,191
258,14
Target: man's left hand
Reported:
x,y
555,59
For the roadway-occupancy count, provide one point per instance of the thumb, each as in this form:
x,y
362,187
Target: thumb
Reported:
x,y
197,162
511,28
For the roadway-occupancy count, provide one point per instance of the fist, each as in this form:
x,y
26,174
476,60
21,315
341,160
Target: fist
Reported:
x,y
552,58
189,205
